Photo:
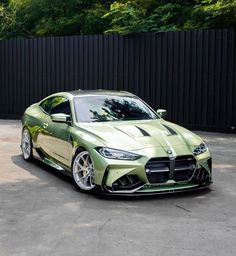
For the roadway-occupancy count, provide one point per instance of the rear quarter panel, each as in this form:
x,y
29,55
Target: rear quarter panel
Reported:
x,y
32,119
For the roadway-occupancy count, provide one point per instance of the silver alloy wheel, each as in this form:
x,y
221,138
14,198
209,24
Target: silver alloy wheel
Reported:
x,y
26,145
83,171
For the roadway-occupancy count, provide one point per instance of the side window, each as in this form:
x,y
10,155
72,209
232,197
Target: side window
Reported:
x,y
46,105
60,105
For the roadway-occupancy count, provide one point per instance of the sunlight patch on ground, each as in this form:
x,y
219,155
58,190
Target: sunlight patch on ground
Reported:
x,y
12,180
223,166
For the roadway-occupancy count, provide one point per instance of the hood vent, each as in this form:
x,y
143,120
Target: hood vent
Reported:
x,y
144,133
170,130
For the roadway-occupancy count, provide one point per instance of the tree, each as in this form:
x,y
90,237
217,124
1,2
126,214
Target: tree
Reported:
x,y
32,18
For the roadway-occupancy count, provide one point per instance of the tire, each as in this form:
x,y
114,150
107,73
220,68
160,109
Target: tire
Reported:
x,y
83,171
26,145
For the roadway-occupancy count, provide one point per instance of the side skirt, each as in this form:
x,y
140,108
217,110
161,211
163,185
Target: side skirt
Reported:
x,y
38,154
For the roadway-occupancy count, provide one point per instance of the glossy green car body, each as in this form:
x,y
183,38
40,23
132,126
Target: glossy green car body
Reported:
x,y
166,162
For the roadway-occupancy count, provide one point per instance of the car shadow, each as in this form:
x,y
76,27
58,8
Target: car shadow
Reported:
x,y
38,168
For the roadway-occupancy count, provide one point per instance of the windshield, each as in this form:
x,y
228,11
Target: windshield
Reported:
x,y
111,108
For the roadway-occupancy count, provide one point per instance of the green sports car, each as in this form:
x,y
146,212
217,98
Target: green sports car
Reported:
x,y
113,142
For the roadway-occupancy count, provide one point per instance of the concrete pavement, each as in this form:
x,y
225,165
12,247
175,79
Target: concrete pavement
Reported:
x,y
41,212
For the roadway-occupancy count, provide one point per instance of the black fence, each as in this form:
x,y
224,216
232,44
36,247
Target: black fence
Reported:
x,y
191,74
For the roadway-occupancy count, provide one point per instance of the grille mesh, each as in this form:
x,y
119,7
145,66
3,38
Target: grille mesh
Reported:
x,y
160,170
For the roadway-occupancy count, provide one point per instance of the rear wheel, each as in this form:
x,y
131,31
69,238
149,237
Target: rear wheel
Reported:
x,y
83,171
26,145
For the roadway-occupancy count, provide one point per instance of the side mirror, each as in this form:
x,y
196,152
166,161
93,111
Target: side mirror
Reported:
x,y
162,113
61,118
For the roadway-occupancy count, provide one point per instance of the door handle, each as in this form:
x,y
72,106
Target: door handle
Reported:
x,y
45,125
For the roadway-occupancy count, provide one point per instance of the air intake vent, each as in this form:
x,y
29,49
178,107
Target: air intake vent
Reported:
x,y
126,182
171,131
144,133
201,175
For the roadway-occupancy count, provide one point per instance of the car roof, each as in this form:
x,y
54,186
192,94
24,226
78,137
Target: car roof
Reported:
x,y
100,92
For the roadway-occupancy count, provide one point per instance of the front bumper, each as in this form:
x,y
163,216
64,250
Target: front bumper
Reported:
x,y
145,177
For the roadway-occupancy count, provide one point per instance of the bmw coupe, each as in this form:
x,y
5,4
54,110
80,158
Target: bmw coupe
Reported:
x,y
113,142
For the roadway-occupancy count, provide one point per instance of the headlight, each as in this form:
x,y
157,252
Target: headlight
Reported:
x,y
200,149
117,154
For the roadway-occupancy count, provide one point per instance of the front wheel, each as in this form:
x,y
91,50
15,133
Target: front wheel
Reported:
x,y
83,171
26,145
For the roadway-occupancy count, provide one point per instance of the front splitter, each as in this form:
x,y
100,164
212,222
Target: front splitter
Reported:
x,y
99,191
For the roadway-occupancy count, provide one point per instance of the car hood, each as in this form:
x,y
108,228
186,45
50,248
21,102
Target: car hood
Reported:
x,y
137,135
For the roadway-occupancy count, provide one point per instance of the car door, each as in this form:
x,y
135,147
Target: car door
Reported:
x,y
55,137
44,121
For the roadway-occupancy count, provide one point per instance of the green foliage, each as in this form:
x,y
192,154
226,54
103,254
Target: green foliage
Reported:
x,y
135,16
8,21
125,17
166,17
93,23
216,14
32,18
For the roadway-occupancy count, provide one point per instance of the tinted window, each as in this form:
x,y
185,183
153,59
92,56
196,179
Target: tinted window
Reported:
x,y
111,108
56,105
60,105
46,105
